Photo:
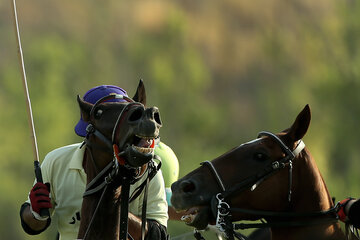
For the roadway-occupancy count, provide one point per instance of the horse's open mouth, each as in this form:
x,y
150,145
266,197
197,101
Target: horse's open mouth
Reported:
x,y
190,215
138,150
198,217
143,144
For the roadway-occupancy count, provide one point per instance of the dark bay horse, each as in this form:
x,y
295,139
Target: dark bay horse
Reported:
x,y
273,178
119,146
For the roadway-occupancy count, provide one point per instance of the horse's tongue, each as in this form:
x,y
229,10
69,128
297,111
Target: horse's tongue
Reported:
x,y
146,143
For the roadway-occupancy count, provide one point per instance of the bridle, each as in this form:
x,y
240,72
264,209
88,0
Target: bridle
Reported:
x,y
107,175
222,210
109,172
255,180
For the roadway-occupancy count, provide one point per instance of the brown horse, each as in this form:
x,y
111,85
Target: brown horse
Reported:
x,y
273,178
119,147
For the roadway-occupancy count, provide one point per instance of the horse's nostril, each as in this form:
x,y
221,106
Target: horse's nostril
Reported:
x,y
157,118
187,186
154,114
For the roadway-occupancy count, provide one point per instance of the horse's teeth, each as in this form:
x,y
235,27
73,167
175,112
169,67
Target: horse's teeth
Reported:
x,y
188,218
144,137
144,150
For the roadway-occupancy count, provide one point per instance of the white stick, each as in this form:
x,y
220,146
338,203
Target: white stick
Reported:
x,y
28,103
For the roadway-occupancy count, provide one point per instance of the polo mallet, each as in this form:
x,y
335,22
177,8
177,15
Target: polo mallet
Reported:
x,y
43,212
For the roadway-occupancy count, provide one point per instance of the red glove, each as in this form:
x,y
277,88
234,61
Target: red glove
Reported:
x,y
341,212
39,199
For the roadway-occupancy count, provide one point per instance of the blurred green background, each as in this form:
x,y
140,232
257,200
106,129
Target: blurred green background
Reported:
x,y
220,72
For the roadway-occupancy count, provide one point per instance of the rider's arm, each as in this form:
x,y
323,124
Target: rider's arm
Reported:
x,y
153,229
156,213
156,231
157,209
38,198
31,225
135,223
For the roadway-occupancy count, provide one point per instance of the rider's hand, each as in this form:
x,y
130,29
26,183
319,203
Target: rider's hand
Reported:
x,y
40,199
342,213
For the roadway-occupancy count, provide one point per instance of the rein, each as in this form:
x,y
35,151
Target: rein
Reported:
x,y
111,170
222,210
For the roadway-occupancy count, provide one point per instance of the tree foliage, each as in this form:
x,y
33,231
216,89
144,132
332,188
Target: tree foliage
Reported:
x,y
220,71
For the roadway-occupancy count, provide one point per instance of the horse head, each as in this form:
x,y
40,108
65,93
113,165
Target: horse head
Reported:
x,y
253,176
125,129
273,178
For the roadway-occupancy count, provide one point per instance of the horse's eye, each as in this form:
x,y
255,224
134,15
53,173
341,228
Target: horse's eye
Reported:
x,y
260,156
98,113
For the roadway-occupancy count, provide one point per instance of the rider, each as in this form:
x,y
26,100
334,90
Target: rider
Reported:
x,y
65,181
349,211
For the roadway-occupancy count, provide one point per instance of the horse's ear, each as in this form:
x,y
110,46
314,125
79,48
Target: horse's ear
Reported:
x,y
140,95
299,128
85,108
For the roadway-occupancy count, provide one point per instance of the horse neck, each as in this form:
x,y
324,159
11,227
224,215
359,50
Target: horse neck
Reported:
x,y
310,194
310,190
106,221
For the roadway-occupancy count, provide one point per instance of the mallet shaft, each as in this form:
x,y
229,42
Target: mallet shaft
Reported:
x,y
38,175
25,86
